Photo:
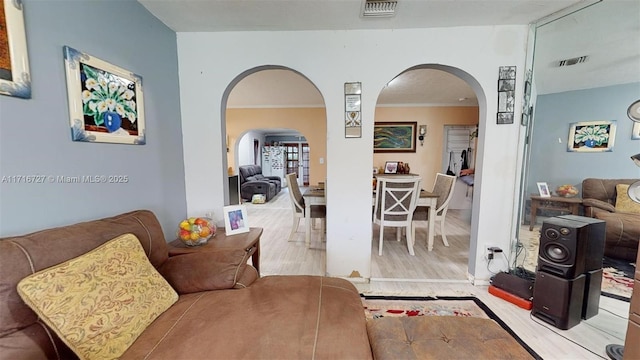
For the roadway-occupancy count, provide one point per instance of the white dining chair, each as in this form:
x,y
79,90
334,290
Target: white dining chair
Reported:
x,y
298,206
443,187
394,207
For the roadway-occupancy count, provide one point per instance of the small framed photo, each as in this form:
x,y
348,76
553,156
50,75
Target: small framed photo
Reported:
x,y
391,167
543,189
235,219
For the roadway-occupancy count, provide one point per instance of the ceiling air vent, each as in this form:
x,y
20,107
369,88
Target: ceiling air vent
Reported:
x,y
572,61
379,8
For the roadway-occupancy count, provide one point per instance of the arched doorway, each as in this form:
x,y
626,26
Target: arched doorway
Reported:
x,y
436,98
277,107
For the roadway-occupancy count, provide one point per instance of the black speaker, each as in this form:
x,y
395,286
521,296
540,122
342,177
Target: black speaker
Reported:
x,y
592,291
571,245
558,301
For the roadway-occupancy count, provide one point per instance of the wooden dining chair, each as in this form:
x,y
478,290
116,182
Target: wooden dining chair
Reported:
x,y
298,206
443,187
394,207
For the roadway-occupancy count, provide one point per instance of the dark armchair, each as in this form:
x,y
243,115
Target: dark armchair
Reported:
x,y
622,228
253,182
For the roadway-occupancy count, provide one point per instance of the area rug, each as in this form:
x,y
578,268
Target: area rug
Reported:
x,y
617,275
377,307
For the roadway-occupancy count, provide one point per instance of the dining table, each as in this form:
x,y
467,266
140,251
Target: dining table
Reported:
x,y
315,195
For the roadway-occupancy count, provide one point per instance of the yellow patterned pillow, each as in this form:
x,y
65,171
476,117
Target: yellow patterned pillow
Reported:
x,y
623,201
100,302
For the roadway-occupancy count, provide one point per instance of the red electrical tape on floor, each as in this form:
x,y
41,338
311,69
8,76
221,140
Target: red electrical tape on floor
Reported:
x,y
523,303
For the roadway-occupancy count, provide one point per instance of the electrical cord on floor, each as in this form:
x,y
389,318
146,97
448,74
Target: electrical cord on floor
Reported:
x,y
614,314
566,338
605,332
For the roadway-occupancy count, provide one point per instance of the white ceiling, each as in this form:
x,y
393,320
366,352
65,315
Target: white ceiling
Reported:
x,y
610,46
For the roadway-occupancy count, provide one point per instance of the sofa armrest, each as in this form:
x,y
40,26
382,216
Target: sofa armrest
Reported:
x,y
274,178
599,204
208,270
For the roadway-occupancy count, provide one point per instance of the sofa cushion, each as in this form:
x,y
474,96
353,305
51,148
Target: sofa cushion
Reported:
x,y
277,317
206,270
623,201
100,302
252,178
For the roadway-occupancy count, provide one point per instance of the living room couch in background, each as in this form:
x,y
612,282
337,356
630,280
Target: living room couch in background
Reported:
x,y
223,309
253,182
600,200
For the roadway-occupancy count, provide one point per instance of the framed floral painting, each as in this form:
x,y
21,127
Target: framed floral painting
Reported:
x,y
15,78
106,102
592,136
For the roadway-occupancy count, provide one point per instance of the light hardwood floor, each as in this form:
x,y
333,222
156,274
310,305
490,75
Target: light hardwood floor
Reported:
x,y
440,273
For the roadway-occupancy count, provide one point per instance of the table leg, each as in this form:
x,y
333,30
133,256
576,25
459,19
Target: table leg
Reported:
x,y
432,225
307,223
534,210
255,258
575,209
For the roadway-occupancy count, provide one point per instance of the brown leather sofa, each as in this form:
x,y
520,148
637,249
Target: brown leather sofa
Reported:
x,y
622,229
273,317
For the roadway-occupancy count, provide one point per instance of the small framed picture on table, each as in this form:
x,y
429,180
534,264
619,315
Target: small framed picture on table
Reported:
x,y
235,219
543,189
391,167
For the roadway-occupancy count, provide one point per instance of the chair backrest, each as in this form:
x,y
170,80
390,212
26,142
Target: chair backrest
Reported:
x,y
297,201
443,187
396,199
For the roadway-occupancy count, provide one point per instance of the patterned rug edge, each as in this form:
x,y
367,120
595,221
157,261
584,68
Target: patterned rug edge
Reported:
x,y
477,301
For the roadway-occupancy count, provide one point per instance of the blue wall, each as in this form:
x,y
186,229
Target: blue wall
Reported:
x,y
550,160
35,136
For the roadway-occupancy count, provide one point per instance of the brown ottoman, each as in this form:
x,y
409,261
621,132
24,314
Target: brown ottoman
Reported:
x,y
441,337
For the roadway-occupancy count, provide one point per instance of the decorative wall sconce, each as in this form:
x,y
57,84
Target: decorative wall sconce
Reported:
x,y
422,132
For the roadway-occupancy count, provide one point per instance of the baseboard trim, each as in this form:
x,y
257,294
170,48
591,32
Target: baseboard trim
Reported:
x,y
454,281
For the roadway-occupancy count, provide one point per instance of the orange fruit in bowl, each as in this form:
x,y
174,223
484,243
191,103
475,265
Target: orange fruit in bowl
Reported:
x,y
204,232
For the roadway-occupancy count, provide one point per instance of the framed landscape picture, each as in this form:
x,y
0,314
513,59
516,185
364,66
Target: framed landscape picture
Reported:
x,y
15,78
106,102
394,137
591,136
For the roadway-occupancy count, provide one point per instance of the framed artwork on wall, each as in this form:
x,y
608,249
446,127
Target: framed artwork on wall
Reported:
x,y
591,136
635,131
106,102
15,78
394,137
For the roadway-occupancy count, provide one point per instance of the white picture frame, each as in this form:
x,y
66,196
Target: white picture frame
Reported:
x,y
235,219
106,102
543,189
15,80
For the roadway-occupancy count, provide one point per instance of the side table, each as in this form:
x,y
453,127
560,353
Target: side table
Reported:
x,y
249,242
559,203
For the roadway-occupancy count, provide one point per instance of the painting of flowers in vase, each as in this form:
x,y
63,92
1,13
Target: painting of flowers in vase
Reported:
x,y
592,136
105,101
